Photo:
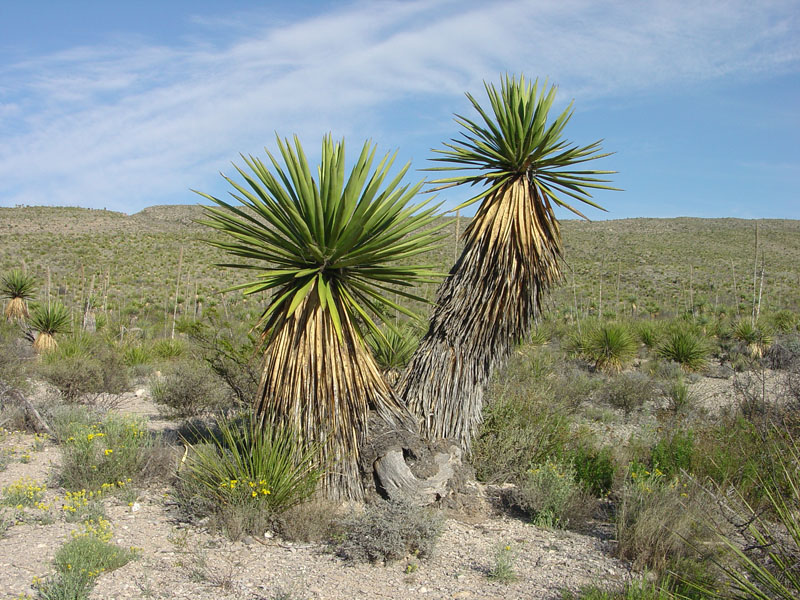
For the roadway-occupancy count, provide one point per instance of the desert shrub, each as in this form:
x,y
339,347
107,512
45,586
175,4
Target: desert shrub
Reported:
x,y
610,346
680,398
74,376
186,389
731,453
594,468
388,531
79,562
686,348
245,474
673,453
81,367
136,355
520,428
231,352
656,518
784,353
101,451
627,391
15,353
316,520
550,493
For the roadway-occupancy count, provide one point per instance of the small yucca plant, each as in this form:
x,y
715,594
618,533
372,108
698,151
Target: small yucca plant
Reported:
x,y
648,333
394,348
18,288
267,467
754,337
610,346
685,348
49,320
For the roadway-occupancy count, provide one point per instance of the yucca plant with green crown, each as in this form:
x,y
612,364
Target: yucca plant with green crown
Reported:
x,y
49,320
512,249
331,250
17,287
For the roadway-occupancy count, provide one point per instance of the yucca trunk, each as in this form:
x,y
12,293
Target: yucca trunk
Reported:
x,y
16,310
44,342
486,304
323,388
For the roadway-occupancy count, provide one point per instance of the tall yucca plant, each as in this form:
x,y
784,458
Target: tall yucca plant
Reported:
x,y
329,250
17,287
512,249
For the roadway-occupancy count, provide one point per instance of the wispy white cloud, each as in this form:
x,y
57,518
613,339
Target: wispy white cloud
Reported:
x,y
129,124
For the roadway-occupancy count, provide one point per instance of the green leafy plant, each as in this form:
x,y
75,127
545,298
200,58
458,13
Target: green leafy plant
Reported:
x,y
247,473
80,561
393,349
594,468
512,249
330,250
685,348
503,568
17,287
610,346
49,320
107,451
550,493
754,336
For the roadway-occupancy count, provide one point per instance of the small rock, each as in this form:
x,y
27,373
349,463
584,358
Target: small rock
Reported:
x,y
422,590
462,594
136,507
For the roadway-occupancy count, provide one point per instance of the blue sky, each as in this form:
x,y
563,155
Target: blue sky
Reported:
x,y
123,105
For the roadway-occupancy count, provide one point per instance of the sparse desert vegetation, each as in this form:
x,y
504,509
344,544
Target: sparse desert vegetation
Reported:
x,y
669,451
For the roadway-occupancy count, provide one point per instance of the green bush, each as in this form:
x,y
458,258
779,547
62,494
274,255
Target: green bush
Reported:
x,y
656,519
785,321
245,474
187,389
519,429
627,391
594,469
393,350
388,531
550,494
649,333
674,453
762,553
80,561
685,348
106,451
81,366
610,346
755,338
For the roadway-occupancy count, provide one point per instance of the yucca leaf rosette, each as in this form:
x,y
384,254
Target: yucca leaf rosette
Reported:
x,y
17,287
524,167
331,251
